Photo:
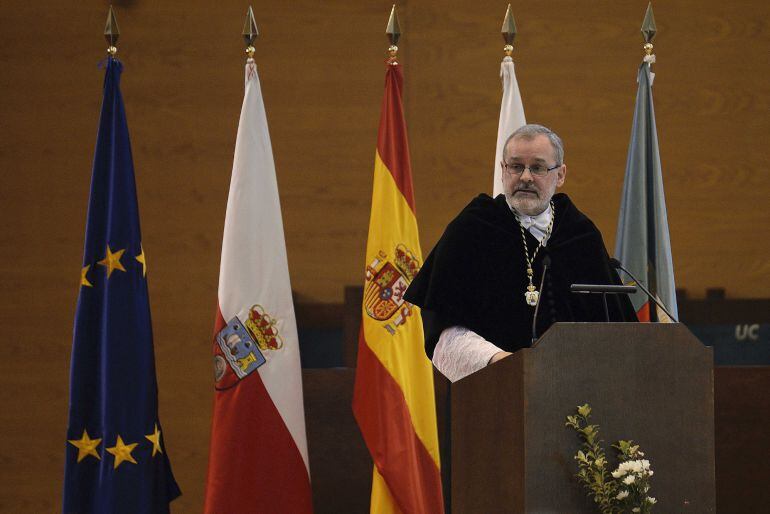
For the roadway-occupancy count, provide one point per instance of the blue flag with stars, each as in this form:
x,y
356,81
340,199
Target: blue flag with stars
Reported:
x,y
116,461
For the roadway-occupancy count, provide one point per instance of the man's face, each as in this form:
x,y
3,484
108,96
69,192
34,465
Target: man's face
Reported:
x,y
528,193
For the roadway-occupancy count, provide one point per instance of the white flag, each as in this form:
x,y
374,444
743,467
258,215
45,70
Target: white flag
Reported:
x,y
511,117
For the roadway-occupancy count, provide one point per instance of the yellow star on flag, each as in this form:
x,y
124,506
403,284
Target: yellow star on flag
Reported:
x,y
86,446
154,438
112,261
122,452
83,280
141,258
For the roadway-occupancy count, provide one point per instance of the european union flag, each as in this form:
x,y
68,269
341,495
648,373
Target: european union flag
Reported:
x,y
116,458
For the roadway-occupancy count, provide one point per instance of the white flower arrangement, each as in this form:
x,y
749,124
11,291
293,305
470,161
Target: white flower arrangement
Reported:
x,y
623,490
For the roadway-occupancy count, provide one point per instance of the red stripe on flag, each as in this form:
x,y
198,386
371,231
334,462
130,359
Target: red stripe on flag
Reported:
x,y
219,322
644,313
254,464
392,143
401,458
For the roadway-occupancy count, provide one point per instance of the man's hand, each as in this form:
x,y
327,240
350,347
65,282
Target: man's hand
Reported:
x,y
498,356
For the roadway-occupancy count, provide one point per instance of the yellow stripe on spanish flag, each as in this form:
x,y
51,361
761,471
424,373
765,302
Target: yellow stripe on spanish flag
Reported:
x,y
394,400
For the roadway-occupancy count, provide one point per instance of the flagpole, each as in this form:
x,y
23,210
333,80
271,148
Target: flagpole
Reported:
x,y
250,33
111,32
649,29
509,32
393,32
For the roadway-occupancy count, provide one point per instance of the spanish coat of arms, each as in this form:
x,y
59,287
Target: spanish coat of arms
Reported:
x,y
386,283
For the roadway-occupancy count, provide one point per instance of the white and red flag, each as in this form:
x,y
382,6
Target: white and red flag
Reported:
x,y
258,460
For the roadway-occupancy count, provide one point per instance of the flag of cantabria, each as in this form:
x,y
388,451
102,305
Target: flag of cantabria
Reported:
x,y
511,117
116,460
258,460
393,400
643,244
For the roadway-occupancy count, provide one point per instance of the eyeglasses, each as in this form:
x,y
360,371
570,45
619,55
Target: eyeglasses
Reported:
x,y
537,170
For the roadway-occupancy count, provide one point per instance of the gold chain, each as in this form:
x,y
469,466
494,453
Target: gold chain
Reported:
x,y
531,295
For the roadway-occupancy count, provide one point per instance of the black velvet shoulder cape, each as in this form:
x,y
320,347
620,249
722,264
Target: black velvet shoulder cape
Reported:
x,y
475,276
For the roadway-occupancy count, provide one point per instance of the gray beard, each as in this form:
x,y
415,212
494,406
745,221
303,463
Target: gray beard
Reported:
x,y
529,207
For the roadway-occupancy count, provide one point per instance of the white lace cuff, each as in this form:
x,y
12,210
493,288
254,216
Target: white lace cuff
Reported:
x,y
460,352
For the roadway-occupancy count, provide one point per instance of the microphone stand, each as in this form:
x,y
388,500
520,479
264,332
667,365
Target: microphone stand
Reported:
x,y
616,263
546,263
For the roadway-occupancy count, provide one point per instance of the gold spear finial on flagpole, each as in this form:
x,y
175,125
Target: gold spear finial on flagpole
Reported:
x,y
250,33
509,31
111,32
648,30
393,31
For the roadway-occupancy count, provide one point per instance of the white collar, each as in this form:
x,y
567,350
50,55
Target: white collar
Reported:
x,y
537,225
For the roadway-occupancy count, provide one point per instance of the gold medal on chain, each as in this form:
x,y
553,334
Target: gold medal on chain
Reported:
x,y
532,295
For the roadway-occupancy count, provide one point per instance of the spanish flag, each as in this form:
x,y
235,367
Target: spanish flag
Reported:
x,y
393,401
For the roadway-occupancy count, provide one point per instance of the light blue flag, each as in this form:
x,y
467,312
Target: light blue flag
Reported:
x,y
642,243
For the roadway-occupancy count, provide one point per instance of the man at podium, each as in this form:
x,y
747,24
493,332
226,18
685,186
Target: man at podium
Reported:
x,y
501,273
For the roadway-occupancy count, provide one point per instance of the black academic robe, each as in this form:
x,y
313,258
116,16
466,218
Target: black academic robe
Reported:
x,y
476,277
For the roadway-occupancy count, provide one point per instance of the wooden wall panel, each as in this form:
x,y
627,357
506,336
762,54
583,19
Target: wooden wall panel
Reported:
x,y
321,66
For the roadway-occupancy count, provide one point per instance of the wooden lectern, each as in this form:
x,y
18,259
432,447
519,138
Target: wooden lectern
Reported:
x,y
649,382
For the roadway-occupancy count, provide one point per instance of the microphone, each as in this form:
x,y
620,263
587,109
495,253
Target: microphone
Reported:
x,y
604,290
546,264
616,264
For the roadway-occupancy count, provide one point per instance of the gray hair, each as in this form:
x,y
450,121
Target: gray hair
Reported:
x,y
532,130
